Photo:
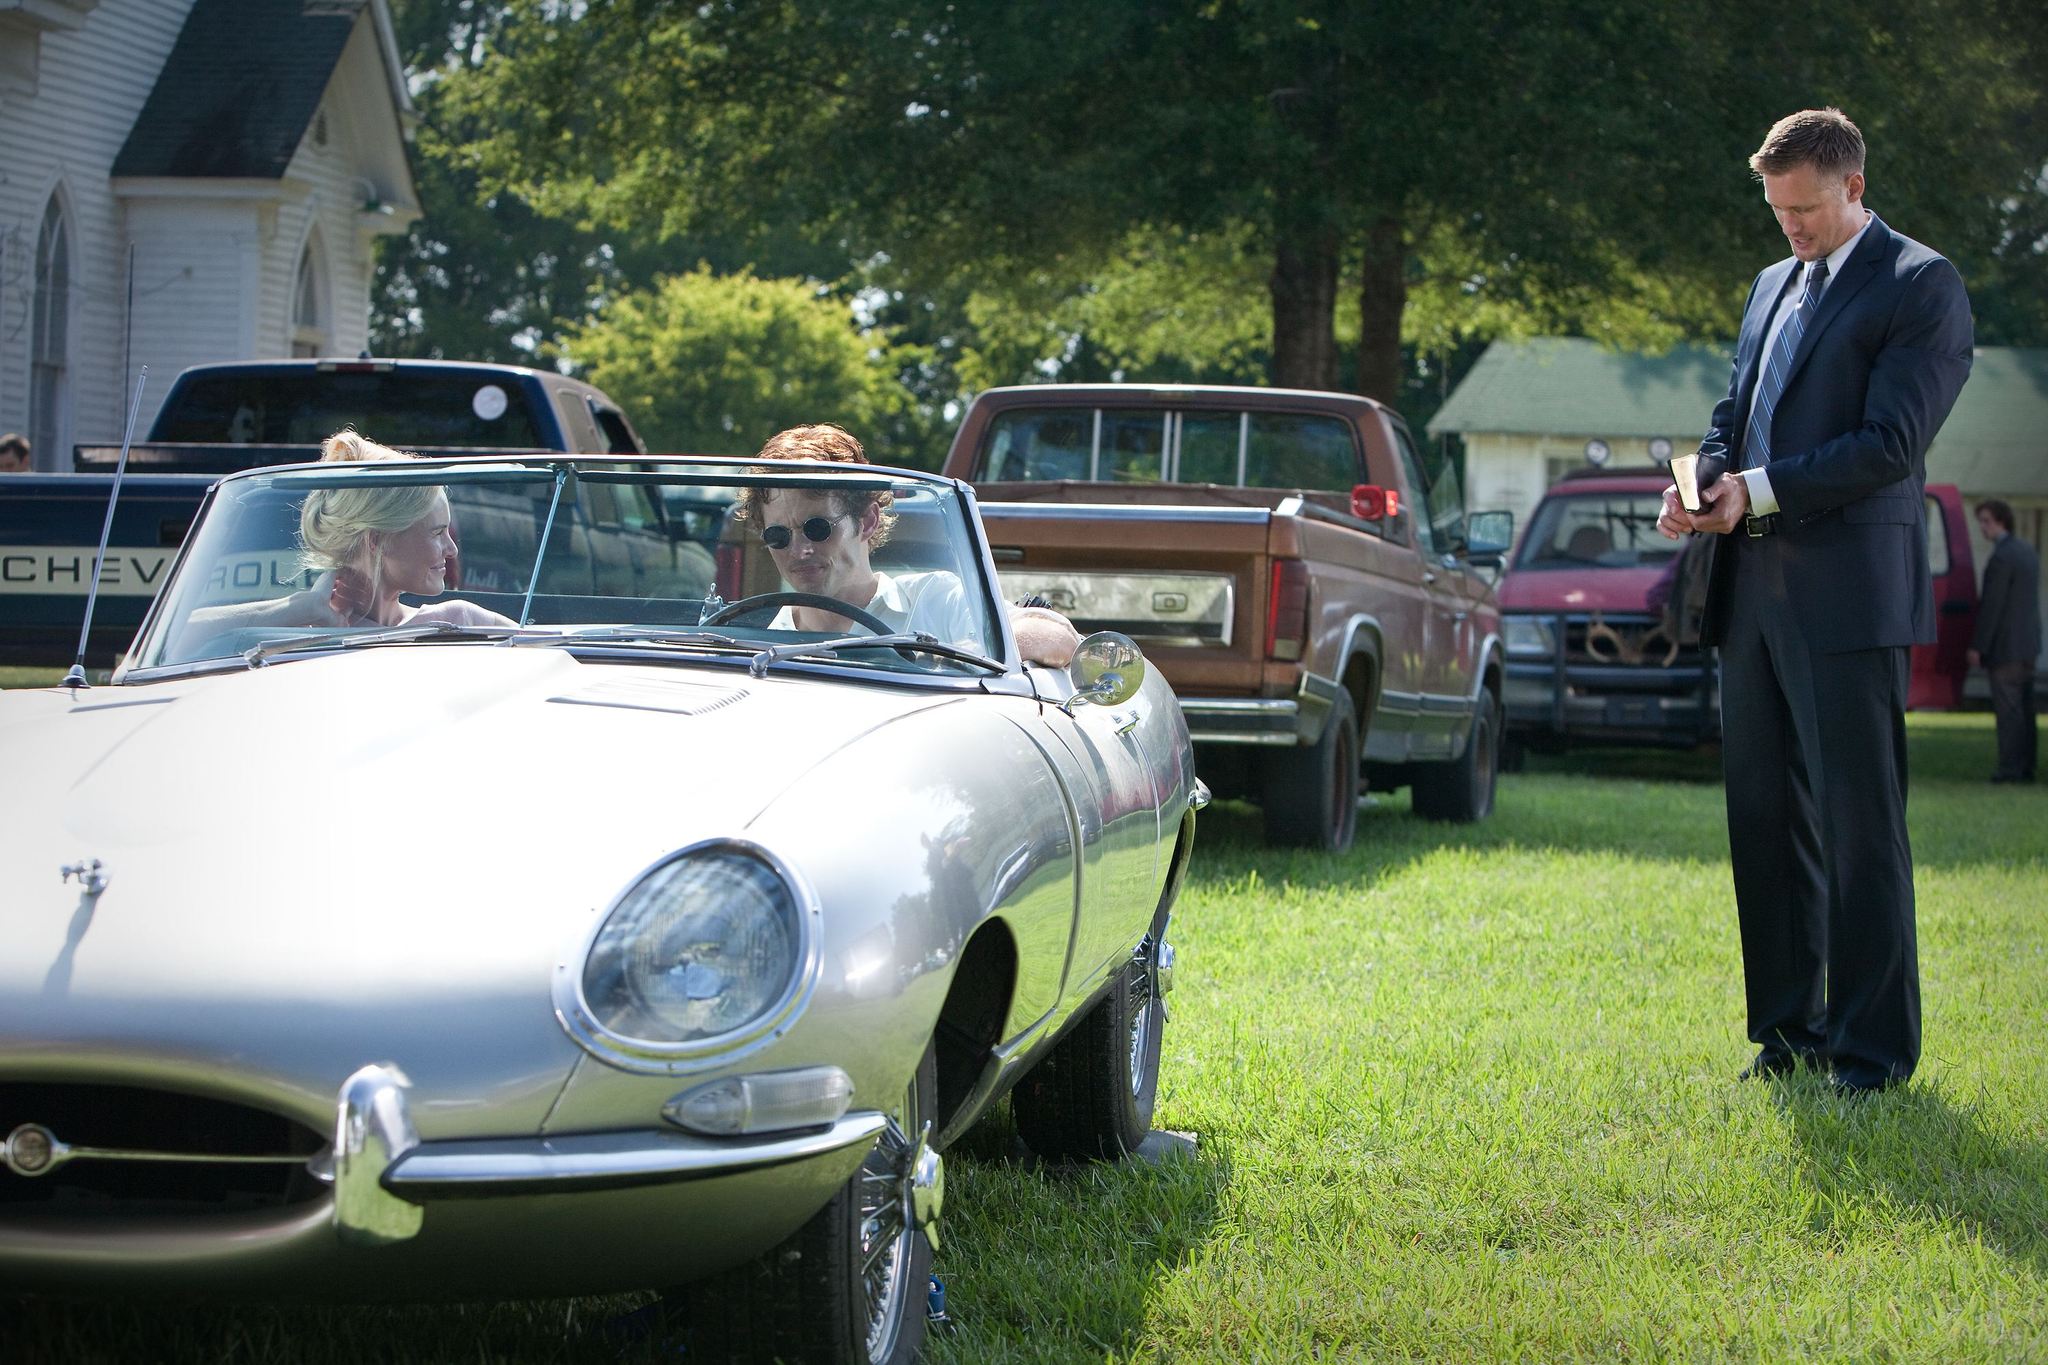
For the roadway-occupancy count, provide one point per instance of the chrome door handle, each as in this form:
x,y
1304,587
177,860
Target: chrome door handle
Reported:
x,y
1126,724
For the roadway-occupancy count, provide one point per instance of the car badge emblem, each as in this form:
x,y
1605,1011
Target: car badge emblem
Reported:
x,y
91,874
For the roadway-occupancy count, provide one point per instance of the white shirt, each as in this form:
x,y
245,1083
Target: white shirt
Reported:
x,y
1762,501
933,603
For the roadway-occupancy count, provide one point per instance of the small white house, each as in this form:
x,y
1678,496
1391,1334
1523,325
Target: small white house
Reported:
x,y
185,181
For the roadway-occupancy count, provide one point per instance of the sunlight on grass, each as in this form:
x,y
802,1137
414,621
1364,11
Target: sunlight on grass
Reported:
x,y
1468,1094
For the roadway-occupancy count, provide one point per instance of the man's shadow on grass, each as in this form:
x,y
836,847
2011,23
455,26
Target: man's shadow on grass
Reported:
x,y
1066,1254
1915,1151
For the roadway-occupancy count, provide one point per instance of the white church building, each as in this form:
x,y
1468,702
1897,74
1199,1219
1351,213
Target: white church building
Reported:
x,y
184,181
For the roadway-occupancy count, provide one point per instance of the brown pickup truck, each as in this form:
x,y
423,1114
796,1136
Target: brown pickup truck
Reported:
x,y
1314,603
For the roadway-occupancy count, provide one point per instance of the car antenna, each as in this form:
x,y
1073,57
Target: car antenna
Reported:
x,y
76,677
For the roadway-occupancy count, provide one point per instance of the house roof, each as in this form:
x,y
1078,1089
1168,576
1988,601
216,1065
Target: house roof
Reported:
x,y
1996,439
239,88
1566,386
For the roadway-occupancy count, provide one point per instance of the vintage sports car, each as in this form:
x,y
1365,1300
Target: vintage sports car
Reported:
x,y
555,914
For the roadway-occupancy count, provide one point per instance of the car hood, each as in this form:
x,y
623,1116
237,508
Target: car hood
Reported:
x,y
1579,590
369,836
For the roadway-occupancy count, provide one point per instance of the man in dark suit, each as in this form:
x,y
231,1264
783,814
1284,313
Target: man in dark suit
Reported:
x,y
1850,356
2008,638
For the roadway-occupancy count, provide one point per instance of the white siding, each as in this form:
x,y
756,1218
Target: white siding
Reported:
x,y
215,262
194,288
68,130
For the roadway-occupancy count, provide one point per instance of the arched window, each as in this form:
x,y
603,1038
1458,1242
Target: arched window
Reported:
x,y
50,344
309,306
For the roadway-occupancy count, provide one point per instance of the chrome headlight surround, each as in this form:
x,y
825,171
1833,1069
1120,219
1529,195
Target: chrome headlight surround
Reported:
x,y
585,1023
1527,637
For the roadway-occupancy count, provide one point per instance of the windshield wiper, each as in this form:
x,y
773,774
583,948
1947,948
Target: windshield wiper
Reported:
x,y
259,654
902,642
652,635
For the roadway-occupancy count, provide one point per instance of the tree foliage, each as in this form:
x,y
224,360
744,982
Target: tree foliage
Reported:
x,y
1324,192
715,364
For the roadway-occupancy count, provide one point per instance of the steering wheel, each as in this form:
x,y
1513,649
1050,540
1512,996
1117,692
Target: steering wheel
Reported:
x,y
762,600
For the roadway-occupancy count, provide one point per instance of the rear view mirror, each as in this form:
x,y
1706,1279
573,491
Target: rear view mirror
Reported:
x,y
1108,669
1488,534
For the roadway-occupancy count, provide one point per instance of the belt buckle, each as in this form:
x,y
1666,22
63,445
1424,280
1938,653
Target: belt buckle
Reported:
x,y
1755,526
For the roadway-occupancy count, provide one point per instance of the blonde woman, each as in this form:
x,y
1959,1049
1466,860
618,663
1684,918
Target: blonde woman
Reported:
x,y
371,545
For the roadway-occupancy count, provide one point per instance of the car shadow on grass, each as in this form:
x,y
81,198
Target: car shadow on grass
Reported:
x,y
1058,1261
1917,1153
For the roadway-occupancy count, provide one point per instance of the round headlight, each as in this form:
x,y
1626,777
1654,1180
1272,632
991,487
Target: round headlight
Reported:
x,y
703,947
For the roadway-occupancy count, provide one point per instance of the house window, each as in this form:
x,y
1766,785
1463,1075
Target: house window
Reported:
x,y
309,313
49,345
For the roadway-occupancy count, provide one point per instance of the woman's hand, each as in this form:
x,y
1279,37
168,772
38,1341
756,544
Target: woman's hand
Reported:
x,y
348,594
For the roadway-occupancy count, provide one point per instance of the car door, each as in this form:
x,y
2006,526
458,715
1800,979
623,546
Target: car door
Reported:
x,y
1447,634
1109,785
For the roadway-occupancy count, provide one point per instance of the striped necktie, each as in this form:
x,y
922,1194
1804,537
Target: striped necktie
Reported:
x,y
1756,437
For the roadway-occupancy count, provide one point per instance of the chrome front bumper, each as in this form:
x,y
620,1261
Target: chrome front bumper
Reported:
x,y
383,1173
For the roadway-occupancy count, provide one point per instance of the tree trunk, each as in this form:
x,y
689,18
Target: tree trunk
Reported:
x,y
1382,297
1304,287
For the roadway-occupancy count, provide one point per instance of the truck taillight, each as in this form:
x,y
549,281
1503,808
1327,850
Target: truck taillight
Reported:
x,y
1287,610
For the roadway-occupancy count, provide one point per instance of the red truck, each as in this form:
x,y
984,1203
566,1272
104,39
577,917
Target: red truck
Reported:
x,y
1316,604
1600,650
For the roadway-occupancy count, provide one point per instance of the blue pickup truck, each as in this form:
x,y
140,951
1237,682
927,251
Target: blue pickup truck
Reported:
x,y
220,418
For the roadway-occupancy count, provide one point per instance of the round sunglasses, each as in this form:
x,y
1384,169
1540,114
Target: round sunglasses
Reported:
x,y
816,529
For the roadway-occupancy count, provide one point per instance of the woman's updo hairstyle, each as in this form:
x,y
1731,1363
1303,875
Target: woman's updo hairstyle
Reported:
x,y
334,523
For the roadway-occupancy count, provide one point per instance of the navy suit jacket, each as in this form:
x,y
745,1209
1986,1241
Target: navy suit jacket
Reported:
x,y
1874,377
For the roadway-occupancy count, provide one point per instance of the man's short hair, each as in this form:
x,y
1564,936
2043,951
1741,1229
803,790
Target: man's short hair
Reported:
x,y
2000,510
14,443
823,441
1821,138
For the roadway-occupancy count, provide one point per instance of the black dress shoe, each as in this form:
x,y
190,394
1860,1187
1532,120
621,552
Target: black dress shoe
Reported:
x,y
1859,1081
1770,1063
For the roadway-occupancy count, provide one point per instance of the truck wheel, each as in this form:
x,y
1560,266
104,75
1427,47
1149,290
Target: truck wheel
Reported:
x,y
1093,1095
1311,793
1462,789
848,1287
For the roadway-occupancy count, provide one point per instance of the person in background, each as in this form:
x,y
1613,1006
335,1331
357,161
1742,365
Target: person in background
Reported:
x,y
2008,638
14,453
1850,356
821,544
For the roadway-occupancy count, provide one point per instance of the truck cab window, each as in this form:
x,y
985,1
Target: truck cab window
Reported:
x,y
1298,450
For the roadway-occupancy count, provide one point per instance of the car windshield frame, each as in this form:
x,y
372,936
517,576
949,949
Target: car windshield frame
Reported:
x,y
659,550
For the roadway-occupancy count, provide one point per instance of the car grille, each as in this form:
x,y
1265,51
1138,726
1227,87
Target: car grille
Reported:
x,y
204,1136
1625,641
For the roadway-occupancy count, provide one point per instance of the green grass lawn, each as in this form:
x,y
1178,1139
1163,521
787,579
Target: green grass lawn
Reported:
x,y
1468,1094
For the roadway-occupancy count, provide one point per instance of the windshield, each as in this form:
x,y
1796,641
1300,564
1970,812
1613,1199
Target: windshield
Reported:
x,y
1612,530
726,557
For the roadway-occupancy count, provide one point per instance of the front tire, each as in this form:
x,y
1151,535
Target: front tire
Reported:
x,y
1092,1097
1461,790
849,1286
1311,793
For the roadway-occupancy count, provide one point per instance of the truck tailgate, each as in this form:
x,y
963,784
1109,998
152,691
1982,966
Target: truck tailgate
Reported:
x,y
1186,582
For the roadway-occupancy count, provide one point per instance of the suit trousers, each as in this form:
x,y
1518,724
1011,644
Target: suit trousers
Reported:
x,y
1814,756
2012,709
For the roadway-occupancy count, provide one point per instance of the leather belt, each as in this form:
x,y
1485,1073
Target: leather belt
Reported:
x,y
1761,526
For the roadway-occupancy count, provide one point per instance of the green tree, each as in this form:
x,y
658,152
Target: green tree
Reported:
x,y
1430,172
715,364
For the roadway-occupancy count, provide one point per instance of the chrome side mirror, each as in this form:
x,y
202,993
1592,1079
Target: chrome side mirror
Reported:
x,y
1108,669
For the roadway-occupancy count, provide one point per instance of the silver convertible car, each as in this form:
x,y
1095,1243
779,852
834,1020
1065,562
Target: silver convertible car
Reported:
x,y
534,876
